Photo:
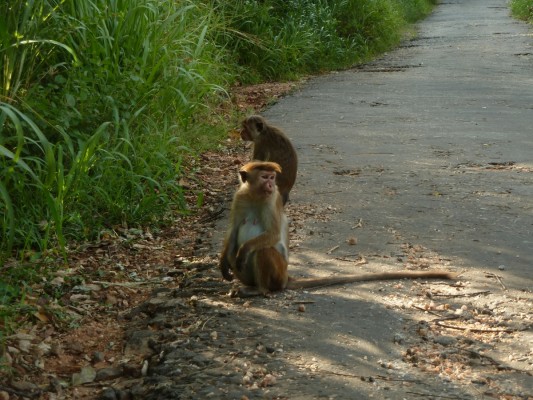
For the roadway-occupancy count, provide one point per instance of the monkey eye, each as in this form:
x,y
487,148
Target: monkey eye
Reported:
x,y
269,177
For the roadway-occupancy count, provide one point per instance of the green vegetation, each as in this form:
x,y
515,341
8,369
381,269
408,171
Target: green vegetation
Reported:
x,y
522,9
283,39
104,103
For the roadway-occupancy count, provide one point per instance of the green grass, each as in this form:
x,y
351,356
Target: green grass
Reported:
x,y
522,9
275,39
103,102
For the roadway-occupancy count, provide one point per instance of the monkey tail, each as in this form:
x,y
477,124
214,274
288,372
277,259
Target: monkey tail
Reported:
x,y
308,283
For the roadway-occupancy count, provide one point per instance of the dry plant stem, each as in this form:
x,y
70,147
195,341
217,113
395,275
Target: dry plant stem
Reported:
x,y
359,224
477,330
498,365
24,394
365,378
428,311
499,278
433,395
333,191
332,249
128,284
213,216
462,295
357,262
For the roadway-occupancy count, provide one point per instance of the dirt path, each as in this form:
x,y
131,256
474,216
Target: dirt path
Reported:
x,y
424,160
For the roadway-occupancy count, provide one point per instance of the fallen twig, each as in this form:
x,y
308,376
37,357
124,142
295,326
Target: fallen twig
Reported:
x,y
433,395
360,261
20,393
213,216
333,191
477,330
496,363
332,249
359,224
461,295
428,311
128,284
367,378
499,278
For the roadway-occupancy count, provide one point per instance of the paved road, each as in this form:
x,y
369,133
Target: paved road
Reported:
x,y
425,157
438,119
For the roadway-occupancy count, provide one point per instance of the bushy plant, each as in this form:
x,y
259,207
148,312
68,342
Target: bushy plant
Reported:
x,y
274,39
413,10
95,98
522,9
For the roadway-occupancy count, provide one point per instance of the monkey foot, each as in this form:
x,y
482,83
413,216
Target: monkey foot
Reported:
x,y
244,292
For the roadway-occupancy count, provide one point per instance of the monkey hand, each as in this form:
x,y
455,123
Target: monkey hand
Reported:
x,y
225,269
227,274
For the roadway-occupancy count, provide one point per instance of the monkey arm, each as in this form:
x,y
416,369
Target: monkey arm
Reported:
x,y
268,235
225,267
265,240
228,254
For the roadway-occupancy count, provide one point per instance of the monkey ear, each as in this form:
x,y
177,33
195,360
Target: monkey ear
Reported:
x,y
244,176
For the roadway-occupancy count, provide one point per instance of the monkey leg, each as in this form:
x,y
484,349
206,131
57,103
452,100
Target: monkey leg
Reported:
x,y
245,291
270,270
265,271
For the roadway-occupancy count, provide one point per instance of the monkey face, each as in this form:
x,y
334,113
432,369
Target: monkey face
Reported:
x,y
246,130
245,134
252,128
266,182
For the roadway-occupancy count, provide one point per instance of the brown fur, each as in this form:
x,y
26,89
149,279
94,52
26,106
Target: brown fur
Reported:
x,y
340,280
271,144
314,283
257,232
274,279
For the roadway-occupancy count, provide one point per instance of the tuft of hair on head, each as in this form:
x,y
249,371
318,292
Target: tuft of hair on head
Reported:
x,y
261,165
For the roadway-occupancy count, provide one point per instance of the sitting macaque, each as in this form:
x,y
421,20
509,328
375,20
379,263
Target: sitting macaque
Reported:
x,y
256,249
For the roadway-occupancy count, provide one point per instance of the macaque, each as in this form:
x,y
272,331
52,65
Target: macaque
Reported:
x,y
256,249
271,144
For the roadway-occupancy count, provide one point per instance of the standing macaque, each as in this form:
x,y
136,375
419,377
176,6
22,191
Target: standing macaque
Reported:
x,y
271,144
256,249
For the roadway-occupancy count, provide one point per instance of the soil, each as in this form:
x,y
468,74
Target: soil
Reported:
x,y
420,160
